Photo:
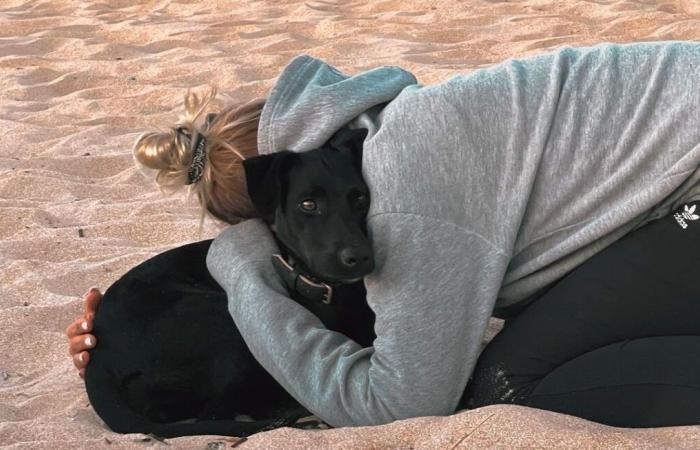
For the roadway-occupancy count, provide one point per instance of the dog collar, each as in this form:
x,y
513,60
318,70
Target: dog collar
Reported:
x,y
303,284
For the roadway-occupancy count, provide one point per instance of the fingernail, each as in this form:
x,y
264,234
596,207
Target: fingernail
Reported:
x,y
84,325
81,358
88,341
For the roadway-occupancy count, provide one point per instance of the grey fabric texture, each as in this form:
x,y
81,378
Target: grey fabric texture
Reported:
x,y
485,188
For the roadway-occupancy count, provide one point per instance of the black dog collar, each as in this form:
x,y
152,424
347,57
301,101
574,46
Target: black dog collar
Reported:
x,y
302,284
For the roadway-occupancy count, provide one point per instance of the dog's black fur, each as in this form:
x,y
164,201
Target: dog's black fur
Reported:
x,y
168,349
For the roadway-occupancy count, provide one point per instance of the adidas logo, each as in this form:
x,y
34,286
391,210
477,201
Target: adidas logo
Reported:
x,y
687,214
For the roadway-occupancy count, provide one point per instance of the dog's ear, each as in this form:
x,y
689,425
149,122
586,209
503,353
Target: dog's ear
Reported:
x,y
266,179
350,141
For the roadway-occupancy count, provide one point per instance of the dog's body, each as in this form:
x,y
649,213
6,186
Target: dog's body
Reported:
x,y
168,349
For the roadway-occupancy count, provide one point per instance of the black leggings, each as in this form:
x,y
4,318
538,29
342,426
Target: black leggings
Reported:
x,y
616,341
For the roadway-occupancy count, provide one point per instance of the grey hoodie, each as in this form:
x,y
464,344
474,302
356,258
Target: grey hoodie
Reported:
x,y
485,189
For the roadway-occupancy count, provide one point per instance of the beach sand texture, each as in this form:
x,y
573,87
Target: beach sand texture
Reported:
x,y
79,80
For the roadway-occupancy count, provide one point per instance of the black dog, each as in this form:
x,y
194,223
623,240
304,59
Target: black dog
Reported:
x,y
168,349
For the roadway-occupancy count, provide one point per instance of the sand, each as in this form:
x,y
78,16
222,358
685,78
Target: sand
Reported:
x,y
79,80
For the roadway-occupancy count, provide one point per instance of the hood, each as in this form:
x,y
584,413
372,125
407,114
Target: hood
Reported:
x,y
312,100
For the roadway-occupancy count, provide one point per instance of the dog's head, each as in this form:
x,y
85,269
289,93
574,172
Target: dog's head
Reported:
x,y
317,202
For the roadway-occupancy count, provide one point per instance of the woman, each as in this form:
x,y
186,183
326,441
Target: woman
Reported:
x,y
551,190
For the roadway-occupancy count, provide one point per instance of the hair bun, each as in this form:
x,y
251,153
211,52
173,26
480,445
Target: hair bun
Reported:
x,y
168,153
230,136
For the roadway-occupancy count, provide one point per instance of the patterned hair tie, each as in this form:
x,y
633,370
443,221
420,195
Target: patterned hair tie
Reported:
x,y
183,131
197,166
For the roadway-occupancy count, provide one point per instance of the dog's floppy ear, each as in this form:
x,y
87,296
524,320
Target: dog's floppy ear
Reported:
x,y
349,140
266,179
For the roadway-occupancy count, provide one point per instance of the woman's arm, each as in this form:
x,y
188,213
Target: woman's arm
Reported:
x,y
79,338
433,291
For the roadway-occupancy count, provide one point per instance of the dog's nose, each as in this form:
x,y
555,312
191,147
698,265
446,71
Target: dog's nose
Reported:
x,y
351,257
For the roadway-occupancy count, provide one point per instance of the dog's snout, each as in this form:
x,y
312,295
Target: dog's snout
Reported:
x,y
351,257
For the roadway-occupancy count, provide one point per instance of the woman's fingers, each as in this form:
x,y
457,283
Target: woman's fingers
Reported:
x,y
92,300
80,360
79,339
81,343
81,325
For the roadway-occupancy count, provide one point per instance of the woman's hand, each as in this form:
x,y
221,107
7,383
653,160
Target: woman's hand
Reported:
x,y
79,337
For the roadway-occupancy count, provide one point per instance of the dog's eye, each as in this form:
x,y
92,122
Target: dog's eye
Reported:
x,y
308,205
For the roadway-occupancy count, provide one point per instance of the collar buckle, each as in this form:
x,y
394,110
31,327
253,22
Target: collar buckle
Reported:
x,y
302,284
325,290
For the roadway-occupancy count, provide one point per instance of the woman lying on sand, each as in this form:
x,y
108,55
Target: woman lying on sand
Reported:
x,y
557,191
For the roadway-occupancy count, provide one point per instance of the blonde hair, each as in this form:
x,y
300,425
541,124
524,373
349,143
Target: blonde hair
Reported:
x,y
230,137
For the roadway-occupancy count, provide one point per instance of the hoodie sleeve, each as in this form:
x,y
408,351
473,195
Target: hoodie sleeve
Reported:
x,y
430,275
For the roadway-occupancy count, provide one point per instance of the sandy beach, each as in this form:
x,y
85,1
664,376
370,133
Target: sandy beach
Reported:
x,y
80,80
